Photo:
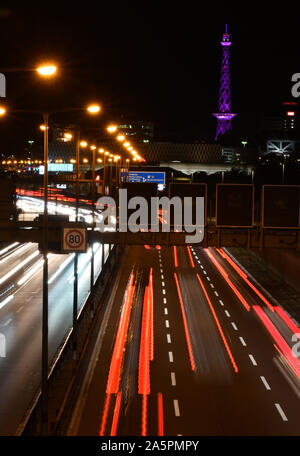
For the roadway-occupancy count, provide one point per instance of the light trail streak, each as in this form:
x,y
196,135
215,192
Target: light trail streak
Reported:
x,y
185,325
225,276
245,278
219,326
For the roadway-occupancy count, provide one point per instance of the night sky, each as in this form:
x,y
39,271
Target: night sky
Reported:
x,y
146,63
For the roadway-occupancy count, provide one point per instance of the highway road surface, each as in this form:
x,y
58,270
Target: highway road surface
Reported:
x,y
21,319
188,346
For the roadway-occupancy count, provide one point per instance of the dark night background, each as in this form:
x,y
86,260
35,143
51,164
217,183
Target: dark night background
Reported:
x,y
146,63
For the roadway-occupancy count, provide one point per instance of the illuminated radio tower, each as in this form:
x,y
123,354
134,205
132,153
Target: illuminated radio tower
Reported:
x,y
224,115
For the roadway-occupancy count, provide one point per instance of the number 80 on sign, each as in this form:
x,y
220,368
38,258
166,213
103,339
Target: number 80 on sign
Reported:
x,y
74,240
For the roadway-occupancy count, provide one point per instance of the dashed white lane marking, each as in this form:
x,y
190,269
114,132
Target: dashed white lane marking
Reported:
x,y
234,326
165,300
161,271
212,285
243,342
7,322
169,339
163,284
204,272
265,383
176,407
19,309
208,278
162,277
164,291
253,360
167,324
166,311
171,359
221,302
216,293
173,379
227,313
199,262
281,412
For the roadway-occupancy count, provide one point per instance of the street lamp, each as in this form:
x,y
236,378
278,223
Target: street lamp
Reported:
x,y
94,109
112,128
47,70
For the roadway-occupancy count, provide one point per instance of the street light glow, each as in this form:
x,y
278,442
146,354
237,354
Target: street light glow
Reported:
x,y
83,143
2,111
120,138
112,128
93,109
46,70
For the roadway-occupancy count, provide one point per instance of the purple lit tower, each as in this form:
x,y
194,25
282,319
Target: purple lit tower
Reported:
x,y
224,115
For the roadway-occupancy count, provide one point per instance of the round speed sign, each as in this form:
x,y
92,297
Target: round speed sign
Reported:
x,y
74,239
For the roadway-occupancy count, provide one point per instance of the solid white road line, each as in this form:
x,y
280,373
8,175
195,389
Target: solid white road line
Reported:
x,y
281,412
253,360
265,383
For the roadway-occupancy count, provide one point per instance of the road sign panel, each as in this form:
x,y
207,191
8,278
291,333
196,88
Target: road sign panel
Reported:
x,y
235,205
280,206
74,239
144,176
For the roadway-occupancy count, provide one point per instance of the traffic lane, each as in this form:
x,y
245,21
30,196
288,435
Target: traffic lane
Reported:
x,y
249,334
219,409
22,328
20,371
87,417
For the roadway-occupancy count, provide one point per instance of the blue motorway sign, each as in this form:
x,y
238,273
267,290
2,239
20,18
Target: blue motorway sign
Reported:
x,y
144,176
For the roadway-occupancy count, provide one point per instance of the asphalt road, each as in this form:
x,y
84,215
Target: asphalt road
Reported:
x,y
187,347
21,320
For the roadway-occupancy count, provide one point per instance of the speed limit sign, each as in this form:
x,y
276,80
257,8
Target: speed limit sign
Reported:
x,y
74,239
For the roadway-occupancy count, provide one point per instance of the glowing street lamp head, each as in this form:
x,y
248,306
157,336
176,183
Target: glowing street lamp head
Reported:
x,y
101,150
93,147
126,144
83,144
68,136
43,127
94,109
120,138
2,111
112,128
46,70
